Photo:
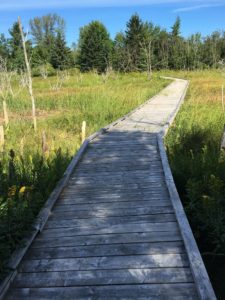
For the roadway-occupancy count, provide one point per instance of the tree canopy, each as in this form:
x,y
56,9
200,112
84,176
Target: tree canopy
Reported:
x,y
94,47
142,46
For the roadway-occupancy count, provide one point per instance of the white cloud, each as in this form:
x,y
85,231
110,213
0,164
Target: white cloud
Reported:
x,y
196,7
8,5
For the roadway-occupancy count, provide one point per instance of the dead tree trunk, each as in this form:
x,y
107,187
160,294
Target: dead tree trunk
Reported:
x,y
147,48
29,77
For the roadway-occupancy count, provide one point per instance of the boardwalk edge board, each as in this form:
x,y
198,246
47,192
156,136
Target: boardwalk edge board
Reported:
x,y
203,284
199,272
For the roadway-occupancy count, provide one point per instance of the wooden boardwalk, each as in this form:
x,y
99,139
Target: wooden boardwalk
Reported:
x,y
116,231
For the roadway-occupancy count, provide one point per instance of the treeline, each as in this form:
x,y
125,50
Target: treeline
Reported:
x,y
142,47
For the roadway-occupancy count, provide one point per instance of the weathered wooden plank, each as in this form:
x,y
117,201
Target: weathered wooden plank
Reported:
x,y
110,221
131,168
134,199
135,133
132,193
117,179
123,180
123,143
123,162
107,197
72,214
179,291
103,277
150,171
120,193
148,185
118,167
145,227
105,147
135,152
127,190
123,139
105,239
106,250
121,154
105,263
106,205
125,159
127,181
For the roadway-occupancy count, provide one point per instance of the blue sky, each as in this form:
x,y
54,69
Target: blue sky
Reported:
x,y
197,15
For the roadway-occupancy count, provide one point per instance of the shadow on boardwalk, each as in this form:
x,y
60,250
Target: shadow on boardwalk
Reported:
x,y
112,232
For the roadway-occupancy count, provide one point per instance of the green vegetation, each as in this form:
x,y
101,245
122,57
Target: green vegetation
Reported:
x,y
28,173
198,166
94,48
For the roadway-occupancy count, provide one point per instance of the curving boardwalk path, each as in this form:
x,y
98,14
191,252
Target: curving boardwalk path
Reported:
x,y
115,232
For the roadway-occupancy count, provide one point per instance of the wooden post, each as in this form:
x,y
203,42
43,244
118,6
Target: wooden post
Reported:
x,y
223,98
29,77
83,132
2,137
6,117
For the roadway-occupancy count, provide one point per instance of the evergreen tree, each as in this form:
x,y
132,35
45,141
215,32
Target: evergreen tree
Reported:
x,y
40,56
177,59
176,28
16,48
134,39
95,47
61,57
4,48
121,58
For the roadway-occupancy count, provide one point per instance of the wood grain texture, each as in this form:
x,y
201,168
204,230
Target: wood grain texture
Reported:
x,y
178,291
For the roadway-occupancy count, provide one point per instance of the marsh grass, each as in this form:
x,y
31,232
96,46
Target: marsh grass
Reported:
x,y
198,166
26,175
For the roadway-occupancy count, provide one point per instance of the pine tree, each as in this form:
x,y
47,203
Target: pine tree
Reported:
x,y
16,48
4,48
177,59
95,47
176,27
61,57
16,56
134,39
121,58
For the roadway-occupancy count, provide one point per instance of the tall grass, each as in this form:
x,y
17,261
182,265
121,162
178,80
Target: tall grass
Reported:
x,y
26,175
198,166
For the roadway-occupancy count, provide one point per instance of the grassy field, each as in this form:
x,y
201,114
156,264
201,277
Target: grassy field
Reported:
x,y
26,176
198,166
